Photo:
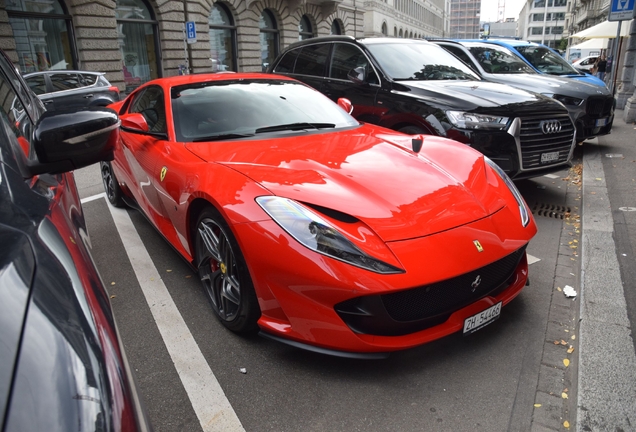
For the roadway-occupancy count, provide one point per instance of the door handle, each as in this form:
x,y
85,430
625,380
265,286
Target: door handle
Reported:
x,y
47,102
88,96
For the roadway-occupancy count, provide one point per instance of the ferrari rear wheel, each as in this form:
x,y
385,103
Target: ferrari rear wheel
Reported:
x,y
224,275
111,186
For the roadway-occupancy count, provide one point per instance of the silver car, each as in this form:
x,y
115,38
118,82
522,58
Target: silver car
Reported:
x,y
591,107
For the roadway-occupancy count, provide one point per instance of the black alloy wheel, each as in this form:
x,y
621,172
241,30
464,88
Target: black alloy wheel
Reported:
x,y
111,186
224,275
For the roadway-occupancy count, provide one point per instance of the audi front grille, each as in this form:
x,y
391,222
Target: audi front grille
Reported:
x,y
540,137
599,106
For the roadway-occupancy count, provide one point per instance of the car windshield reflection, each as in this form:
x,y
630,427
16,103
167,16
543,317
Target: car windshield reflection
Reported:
x,y
498,60
240,108
420,61
547,61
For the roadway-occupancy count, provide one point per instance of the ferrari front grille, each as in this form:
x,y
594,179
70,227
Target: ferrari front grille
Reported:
x,y
451,294
422,307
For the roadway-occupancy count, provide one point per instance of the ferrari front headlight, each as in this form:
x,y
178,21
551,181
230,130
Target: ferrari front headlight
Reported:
x,y
523,209
466,120
317,234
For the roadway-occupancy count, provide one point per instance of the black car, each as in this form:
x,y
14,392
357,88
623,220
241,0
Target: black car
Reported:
x,y
62,367
591,106
72,90
415,86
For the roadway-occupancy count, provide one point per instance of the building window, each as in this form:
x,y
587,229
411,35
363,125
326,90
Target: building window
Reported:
x,y
222,39
395,33
537,17
304,29
537,30
43,35
539,3
336,29
384,29
269,39
137,34
401,33
557,30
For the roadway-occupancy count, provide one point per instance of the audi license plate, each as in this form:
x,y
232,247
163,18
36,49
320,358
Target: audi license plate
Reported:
x,y
549,157
481,319
601,122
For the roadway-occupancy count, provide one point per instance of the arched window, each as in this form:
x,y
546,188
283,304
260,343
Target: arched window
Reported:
x,y
137,33
222,39
304,29
395,33
401,34
411,35
269,39
384,29
43,34
335,28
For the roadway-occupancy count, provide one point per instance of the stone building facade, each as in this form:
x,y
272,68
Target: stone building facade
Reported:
x,y
133,41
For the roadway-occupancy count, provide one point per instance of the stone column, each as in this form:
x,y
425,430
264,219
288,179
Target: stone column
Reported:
x,y
629,113
96,38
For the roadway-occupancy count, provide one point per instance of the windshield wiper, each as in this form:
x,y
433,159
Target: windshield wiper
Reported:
x,y
294,126
220,137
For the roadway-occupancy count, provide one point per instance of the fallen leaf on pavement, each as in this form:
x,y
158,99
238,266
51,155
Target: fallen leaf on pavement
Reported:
x,y
564,395
537,405
566,362
570,350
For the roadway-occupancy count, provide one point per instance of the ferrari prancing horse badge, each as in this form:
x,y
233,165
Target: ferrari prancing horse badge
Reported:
x,y
164,170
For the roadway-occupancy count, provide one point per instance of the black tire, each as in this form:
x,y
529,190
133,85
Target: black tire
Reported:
x,y
111,186
224,274
411,130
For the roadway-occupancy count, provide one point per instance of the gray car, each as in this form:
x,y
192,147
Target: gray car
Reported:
x,y
72,90
591,107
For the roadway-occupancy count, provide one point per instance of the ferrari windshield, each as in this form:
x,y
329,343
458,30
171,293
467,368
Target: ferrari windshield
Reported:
x,y
231,109
499,60
421,61
547,61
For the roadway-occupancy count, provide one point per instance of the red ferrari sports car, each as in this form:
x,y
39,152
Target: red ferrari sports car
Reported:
x,y
319,231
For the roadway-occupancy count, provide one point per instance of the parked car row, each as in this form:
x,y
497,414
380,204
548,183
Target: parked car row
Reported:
x,y
591,106
415,86
380,222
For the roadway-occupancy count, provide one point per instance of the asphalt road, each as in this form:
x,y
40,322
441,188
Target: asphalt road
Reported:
x,y
195,375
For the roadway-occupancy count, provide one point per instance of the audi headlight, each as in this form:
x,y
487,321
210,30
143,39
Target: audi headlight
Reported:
x,y
466,120
523,209
566,100
317,234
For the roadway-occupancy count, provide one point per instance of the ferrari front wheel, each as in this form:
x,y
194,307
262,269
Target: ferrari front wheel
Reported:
x,y
224,274
111,186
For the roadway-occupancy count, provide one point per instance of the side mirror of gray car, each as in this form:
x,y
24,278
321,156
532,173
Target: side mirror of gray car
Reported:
x,y
65,141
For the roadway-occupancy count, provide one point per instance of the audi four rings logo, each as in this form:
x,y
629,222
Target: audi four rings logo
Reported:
x,y
550,126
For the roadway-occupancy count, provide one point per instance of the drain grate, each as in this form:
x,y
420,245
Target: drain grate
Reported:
x,y
554,211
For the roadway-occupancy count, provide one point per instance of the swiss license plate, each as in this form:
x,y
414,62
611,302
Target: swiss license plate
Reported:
x,y
549,157
482,319
601,122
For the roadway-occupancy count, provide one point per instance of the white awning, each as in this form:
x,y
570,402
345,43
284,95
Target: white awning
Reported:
x,y
600,43
606,29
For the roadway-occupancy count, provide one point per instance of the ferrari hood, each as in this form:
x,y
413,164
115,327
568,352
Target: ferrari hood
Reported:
x,y
376,178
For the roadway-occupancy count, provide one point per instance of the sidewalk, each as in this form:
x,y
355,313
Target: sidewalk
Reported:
x,y
607,358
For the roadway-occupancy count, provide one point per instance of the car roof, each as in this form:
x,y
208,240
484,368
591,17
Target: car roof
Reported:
x,y
179,80
52,71
362,40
